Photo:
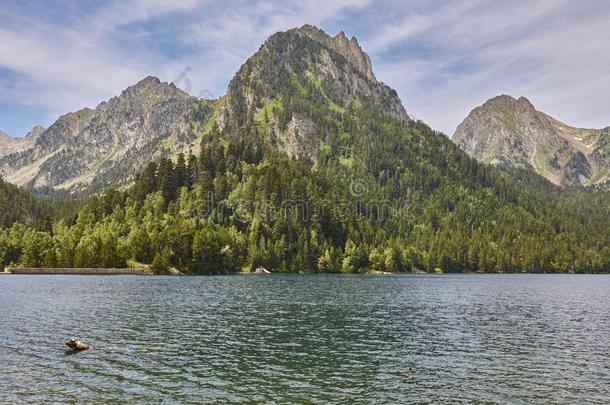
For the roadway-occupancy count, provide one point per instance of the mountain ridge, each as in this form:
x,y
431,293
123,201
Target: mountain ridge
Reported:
x,y
80,151
81,148
89,149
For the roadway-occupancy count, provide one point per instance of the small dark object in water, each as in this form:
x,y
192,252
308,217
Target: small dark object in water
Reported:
x,y
77,345
410,370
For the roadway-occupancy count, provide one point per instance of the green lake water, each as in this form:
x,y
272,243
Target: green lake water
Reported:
x,y
306,339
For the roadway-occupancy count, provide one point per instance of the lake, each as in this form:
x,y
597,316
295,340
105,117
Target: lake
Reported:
x,y
306,338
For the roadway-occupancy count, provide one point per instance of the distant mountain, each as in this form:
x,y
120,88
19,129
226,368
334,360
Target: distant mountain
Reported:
x,y
34,133
5,141
507,131
92,149
10,145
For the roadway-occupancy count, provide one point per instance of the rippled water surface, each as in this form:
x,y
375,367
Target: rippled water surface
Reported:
x,y
283,339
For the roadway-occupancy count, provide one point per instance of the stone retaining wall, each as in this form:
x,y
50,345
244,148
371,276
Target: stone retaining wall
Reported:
x,y
83,271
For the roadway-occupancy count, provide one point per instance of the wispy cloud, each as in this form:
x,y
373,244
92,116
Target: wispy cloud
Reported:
x,y
455,55
444,57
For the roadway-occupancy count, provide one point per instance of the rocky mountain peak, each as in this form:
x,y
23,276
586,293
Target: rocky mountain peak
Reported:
x,y
150,79
153,86
505,102
308,64
337,66
92,148
341,37
10,145
510,131
349,48
35,132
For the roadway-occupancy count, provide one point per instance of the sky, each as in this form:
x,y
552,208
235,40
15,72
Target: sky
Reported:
x,y
444,57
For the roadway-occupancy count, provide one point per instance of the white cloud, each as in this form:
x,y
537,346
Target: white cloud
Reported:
x,y
553,52
126,12
64,68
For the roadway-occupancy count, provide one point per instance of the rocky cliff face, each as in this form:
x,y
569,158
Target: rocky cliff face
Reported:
x,y
508,131
94,148
305,64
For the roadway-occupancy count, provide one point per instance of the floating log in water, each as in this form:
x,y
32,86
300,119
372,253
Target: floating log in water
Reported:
x,y
77,345
79,271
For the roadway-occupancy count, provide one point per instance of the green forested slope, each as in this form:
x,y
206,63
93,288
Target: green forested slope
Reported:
x,y
411,201
17,205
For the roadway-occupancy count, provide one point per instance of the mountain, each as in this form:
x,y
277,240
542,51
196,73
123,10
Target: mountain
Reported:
x,y
507,131
305,65
34,133
92,149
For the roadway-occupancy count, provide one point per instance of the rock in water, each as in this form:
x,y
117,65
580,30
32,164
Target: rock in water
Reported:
x,y
262,270
77,345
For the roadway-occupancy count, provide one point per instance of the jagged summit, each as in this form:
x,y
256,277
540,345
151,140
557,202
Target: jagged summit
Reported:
x,y
150,85
149,82
150,79
94,148
506,101
306,63
339,65
348,48
35,132
509,131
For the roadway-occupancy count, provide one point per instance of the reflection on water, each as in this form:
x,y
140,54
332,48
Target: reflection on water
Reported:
x,y
532,338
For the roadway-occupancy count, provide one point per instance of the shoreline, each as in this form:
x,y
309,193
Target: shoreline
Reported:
x,y
98,271
85,271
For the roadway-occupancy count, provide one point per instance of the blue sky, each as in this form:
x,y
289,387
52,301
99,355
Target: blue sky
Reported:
x,y
444,57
